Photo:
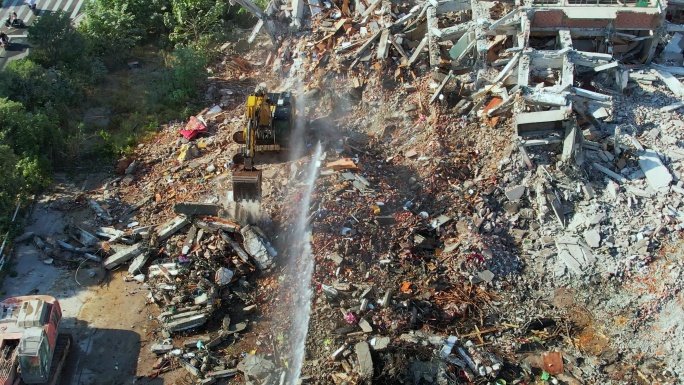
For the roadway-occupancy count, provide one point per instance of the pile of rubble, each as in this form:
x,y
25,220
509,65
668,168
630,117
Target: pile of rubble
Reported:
x,y
499,179
440,88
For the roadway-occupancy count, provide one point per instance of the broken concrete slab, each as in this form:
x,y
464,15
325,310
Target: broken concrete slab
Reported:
x,y
486,276
671,82
237,328
418,51
557,208
675,44
184,320
166,269
441,87
257,248
124,254
613,189
657,174
595,219
593,238
190,368
92,257
337,353
194,341
111,233
610,173
367,44
69,247
385,220
216,374
190,209
189,240
161,348
253,366
577,257
672,107
201,299
383,47
83,237
604,67
515,193
335,257
448,346
242,254
591,95
223,276
171,227
24,237
101,213
212,224
138,263
638,192
364,359
380,343
439,221
365,326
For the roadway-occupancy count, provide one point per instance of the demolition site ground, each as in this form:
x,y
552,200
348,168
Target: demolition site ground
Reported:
x,y
498,201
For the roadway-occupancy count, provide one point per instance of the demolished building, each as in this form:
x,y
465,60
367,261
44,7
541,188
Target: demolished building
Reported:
x,y
442,245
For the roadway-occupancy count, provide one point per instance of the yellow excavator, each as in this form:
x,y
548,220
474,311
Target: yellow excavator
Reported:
x,y
269,122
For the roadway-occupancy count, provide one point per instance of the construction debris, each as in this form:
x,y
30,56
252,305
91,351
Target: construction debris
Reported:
x,y
480,161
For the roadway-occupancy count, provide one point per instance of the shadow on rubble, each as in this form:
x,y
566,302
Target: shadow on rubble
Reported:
x,y
102,356
432,225
454,214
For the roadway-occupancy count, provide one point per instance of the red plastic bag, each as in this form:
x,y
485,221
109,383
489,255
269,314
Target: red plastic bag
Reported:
x,y
194,127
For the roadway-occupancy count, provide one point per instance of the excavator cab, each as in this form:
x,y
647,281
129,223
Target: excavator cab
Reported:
x,y
34,356
269,121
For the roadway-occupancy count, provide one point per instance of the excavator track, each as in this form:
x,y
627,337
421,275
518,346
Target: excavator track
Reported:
x,y
246,185
59,357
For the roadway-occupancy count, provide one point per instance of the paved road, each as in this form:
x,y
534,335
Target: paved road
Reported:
x,y
19,47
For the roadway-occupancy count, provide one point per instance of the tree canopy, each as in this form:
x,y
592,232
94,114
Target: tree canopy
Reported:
x,y
44,96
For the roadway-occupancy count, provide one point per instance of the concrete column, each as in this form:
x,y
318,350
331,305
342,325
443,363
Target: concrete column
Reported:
x,y
433,46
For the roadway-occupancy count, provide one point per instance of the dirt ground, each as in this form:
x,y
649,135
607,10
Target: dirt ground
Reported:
x,y
106,316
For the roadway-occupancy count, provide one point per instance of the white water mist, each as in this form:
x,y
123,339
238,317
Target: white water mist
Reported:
x,y
301,267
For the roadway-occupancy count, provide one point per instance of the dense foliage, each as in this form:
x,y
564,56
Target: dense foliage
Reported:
x,y
69,69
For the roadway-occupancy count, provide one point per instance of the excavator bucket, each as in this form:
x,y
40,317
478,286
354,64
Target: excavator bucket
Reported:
x,y
246,185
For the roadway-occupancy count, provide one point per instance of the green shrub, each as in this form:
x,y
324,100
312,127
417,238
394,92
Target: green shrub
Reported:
x,y
198,22
185,72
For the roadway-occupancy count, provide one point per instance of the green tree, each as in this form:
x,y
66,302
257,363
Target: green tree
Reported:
x,y
38,89
186,71
33,138
35,172
111,30
58,44
11,184
55,41
127,18
198,22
